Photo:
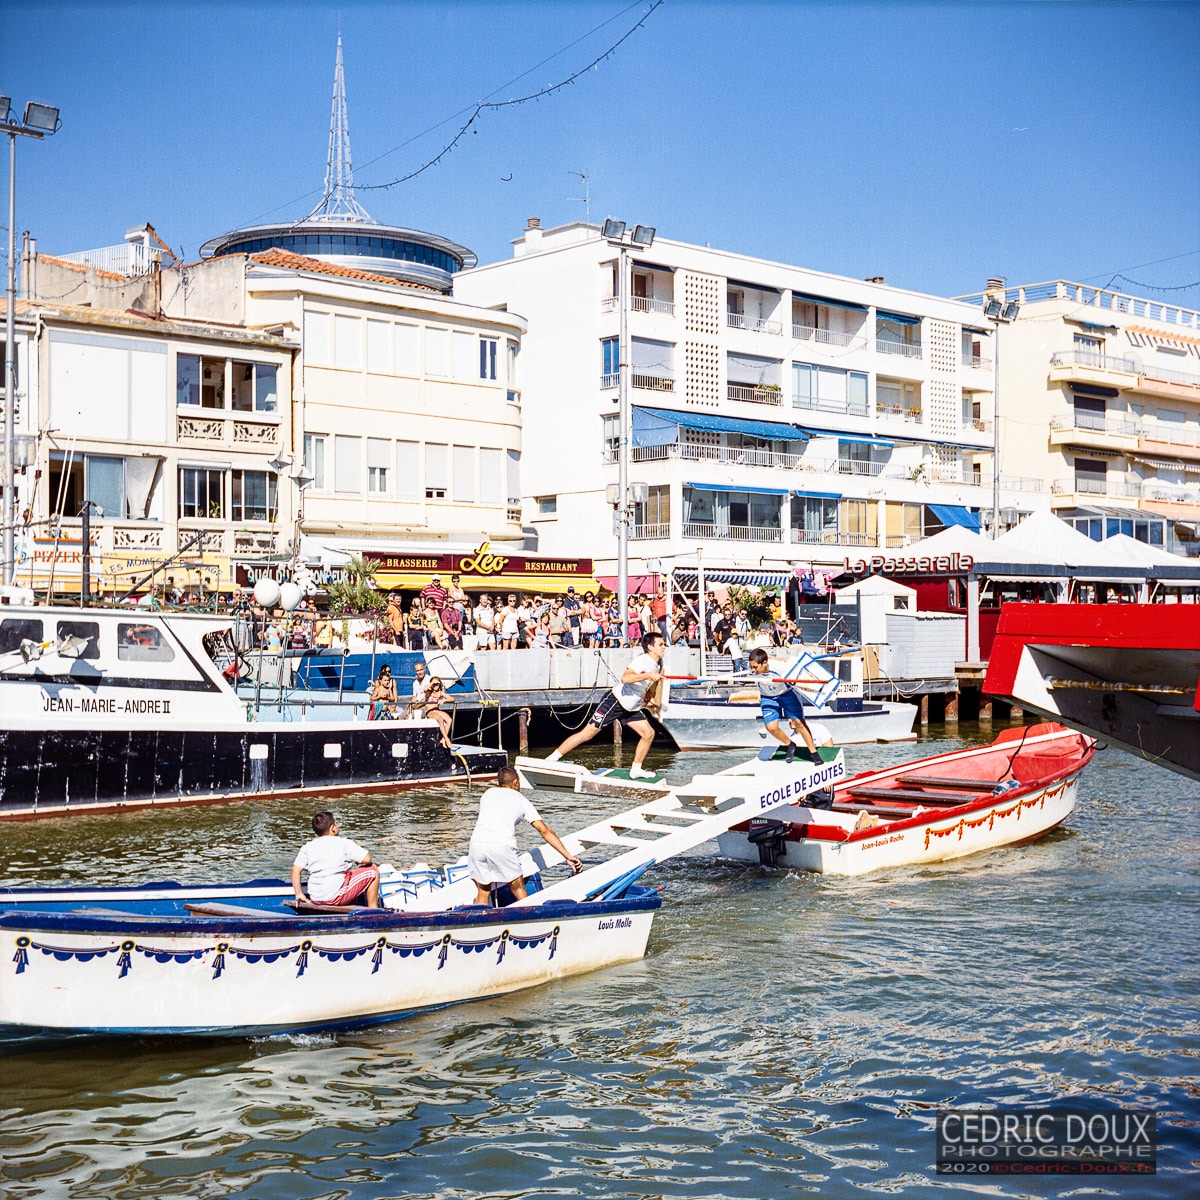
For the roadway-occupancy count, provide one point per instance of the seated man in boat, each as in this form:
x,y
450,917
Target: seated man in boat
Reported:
x,y
493,857
625,703
780,702
339,870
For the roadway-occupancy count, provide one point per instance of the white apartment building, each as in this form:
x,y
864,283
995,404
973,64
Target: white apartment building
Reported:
x,y
1100,395
780,416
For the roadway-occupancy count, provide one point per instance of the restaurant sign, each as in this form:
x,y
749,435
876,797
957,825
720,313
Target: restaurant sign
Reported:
x,y
481,564
881,564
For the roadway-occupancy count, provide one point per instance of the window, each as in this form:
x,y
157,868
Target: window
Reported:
x,y
314,459
1089,412
815,516
464,474
379,459
513,351
487,358
437,471
347,342
347,465
254,387
254,496
859,516
88,631
187,379
212,383
828,389
514,477
16,630
437,353
465,354
491,476
1091,476
379,347
895,399
408,350
408,470
105,478
318,345
142,643
547,506
201,492
610,433
657,509
610,355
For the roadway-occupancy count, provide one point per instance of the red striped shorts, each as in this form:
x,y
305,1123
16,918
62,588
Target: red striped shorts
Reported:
x,y
356,882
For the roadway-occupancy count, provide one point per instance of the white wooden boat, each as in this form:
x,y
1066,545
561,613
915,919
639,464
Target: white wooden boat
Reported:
x,y
571,777
244,959
1010,792
109,707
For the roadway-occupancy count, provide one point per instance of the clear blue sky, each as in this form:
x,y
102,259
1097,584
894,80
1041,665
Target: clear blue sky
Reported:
x,y
932,144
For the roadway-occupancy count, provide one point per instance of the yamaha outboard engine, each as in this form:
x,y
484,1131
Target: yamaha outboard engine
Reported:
x,y
770,836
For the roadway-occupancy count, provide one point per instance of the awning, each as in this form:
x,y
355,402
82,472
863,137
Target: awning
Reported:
x,y
955,514
689,578
1094,391
898,318
804,297
864,439
639,585
526,583
818,495
660,426
1090,325
1159,464
733,487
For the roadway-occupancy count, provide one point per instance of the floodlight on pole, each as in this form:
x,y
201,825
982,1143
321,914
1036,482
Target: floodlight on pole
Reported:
x,y
643,236
38,121
999,312
612,230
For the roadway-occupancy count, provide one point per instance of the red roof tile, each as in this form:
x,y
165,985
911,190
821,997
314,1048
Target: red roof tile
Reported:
x,y
276,257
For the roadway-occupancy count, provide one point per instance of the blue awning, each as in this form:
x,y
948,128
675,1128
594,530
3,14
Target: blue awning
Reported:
x,y
863,439
811,495
660,426
805,297
733,487
1090,325
954,514
898,318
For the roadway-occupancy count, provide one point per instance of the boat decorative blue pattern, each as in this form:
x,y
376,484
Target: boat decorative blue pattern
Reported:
x,y
127,948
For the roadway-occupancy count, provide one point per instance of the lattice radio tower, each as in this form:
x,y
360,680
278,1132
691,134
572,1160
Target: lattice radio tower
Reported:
x,y
338,203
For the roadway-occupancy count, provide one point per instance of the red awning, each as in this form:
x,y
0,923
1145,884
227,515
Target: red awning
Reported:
x,y
639,585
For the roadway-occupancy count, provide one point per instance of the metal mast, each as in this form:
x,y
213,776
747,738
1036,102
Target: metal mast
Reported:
x,y
338,203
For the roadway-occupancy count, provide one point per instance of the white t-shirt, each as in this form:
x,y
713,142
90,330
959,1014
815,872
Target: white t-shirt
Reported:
x,y
418,689
632,695
501,810
327,859
485,617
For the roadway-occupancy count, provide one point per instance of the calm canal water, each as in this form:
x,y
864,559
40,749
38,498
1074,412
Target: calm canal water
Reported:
x,y
786,1034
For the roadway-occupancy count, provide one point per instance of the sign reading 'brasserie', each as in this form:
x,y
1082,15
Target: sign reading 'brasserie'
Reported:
x,y
481,563
881,564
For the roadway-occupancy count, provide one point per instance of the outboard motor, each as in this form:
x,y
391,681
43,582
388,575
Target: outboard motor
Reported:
x,y
821,799
770,836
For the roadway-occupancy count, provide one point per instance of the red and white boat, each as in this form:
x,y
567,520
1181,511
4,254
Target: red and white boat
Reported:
x,y
1128,674
1010,792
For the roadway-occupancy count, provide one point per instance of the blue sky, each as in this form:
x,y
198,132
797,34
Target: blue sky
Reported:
x,y
933,144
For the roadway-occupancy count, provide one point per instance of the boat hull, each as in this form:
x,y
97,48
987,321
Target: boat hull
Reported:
x,y
70,974
705,726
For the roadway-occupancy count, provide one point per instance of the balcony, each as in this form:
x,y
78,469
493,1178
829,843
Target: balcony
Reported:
x,y
1018,483
224,428
651,383
1085,429
753,324
827,404
735,533
976,425
731,455
644,533
976,362
1163,381
828,337
1086,366
898,412
831,537
1096,487
903,349
746,394
642,304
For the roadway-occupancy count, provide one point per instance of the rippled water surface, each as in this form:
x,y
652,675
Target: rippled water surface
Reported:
x,y
786,1034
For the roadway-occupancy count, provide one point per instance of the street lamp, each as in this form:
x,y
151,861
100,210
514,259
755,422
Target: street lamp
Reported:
x,y
1000,311
37,121
641,236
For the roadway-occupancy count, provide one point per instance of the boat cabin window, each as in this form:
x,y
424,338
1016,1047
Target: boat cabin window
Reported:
x,y
85,631
142,643
16,630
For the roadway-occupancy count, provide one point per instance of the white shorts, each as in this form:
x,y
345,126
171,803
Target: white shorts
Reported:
x,y
492,862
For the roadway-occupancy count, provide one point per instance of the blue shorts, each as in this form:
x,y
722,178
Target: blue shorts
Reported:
x,y
778,708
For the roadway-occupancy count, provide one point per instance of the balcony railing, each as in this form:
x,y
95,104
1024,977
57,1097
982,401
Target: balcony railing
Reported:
x,y
1166,375
1172,434
740,533
1094,423
1079,294
644,304
904,349
976,361
977,424
1019,483
610,379
731,455
1175,493
646,532
755,395
850,408
753,324
898,412
1098,362
827,337
831,537
1095,487
651,383
196,424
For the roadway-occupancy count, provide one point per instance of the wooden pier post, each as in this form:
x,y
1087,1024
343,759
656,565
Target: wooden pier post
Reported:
x,y
985,711
924,712
523,730
1016,715
951,708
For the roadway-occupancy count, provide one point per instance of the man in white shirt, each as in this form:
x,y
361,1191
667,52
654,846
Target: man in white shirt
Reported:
x,y
624,703
494,858
339,870
485,623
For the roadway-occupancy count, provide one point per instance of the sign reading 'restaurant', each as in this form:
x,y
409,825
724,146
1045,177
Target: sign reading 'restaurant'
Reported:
x,y
883,564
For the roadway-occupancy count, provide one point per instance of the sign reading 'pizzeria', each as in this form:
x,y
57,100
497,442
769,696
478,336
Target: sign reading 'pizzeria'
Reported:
x,y
881,564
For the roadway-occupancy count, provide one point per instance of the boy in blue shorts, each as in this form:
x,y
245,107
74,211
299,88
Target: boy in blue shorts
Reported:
x,y
780,703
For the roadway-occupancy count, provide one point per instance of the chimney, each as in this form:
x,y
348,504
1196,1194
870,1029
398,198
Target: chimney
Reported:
x,y
995,285
533,234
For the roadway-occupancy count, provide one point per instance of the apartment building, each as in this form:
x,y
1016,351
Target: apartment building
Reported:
x,y
1100,393
779,415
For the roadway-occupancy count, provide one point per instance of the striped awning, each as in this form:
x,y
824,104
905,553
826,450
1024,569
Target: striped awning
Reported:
x,y
686,577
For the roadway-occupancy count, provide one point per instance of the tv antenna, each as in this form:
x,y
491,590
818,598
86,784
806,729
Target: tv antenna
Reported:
x,y
585,199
